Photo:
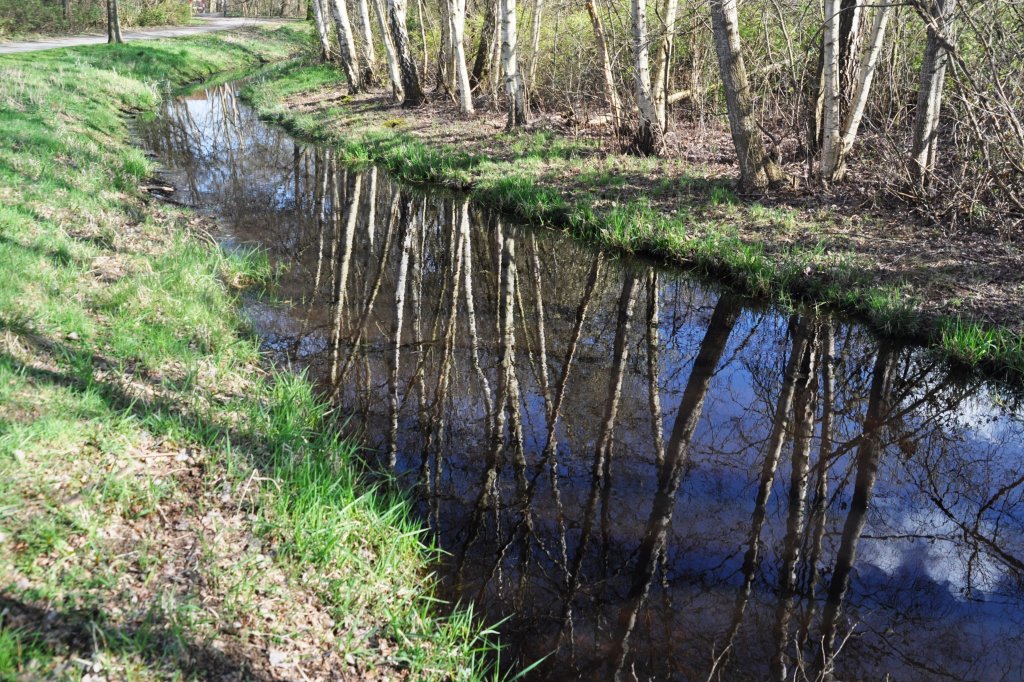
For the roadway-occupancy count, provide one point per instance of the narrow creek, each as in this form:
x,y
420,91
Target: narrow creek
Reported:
x,y
648,478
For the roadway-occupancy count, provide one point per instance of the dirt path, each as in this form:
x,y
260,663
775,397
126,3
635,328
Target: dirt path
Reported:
x,y
209,24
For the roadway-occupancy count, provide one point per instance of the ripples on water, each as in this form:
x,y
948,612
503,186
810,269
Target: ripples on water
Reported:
x,y
652,479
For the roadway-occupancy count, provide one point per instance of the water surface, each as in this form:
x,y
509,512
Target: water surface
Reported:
x,y
653,480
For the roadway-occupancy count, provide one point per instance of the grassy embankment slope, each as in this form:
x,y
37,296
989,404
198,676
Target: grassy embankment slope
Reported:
x,y
904,279
169,508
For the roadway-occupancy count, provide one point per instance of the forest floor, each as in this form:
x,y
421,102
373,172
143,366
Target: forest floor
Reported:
x,y
169,507
961,291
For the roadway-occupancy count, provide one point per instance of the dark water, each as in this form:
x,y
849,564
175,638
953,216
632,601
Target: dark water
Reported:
x,y
652,480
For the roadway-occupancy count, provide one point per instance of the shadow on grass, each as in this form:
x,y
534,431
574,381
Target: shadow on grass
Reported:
x,y
83,634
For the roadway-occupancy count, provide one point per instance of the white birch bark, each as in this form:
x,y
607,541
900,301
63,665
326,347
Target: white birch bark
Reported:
x,y
364,24
321,29
669,11
648,138
346,44
614,103
862,88
458,17
538,15
517,110
394,71
830,91
929,97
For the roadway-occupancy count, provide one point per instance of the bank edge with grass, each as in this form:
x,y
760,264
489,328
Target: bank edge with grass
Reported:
x,y
169,507
808,274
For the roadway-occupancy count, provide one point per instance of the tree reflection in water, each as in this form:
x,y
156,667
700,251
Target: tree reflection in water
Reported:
x,y
654,480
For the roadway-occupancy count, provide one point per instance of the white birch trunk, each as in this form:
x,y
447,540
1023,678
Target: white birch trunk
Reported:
x,y
614,103
321,29
346,44
862,88
394,72
649,132
538,15
364,24
458,16
929,97
830,91
517,110
669,11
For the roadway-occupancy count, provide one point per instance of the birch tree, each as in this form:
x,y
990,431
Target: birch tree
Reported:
x,y
518,113
859,99
368,48
938,15
830,132
757,170
538,15
614,103
458,20
669,10
346,45
649,138
394,71
410,77
321,29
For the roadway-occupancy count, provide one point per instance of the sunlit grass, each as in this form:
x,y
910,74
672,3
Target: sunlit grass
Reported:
x,y
119,327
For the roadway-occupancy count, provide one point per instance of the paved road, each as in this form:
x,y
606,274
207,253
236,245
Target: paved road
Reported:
x,y
209,25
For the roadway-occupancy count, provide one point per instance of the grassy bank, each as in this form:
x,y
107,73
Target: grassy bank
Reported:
x,y
169,508
881,269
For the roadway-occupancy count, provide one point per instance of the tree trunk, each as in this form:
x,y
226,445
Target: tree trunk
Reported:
x,y
410,77
929,96
483,47
538,15
422,20
446,52
649,138
346,45
364,23
113,23
518,115
830,90
321,29
862,87
458,16
661,64
757,170
848,38
614,103
394,71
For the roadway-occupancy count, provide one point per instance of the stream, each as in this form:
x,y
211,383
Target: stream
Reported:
x,y
648,477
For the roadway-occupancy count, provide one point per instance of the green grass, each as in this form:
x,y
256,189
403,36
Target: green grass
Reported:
x,y
602,209
135,407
